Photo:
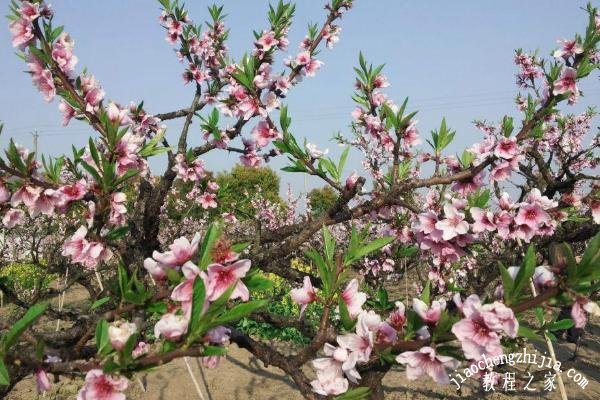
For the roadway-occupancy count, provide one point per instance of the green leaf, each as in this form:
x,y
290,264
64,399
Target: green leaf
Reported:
x,y
256,282
99,302
347,322
102,339
359,393
539,314
216,308
371,247
212,234
443,326
525,272
214,351
129,346
239,247
32,314
561,325
123,279
198,298
94,152
117,233
158,307
507,283
93,172
343,159
4,378
323,270
591,257
239,311
328,244
529,333
130,173
426,293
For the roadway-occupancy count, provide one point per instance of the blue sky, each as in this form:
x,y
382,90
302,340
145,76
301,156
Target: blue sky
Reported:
x,y
452,59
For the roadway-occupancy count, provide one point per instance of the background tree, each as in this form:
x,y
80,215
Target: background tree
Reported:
x,y
321,200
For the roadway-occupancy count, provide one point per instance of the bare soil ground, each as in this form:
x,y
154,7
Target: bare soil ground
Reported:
x,y
241,376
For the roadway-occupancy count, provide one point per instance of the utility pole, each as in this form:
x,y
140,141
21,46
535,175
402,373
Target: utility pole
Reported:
x,y
35,135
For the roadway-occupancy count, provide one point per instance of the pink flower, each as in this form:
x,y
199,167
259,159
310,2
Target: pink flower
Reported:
x,y
208,200
13,217
22,32
116,115
267,40
118,209
566,83
140,349
351,180
483,220
330,385
411,136
361,343
543,277
175,28
303,58
62,53
99,386
312,67
426,361
180,251
126,150
595,207
119,332
27,195
468,186
184,292
479,331
4,193
93,99
211,361
353,298
194,171
380,81
229,218
506,148
313,152
45,203
218,335
263,134
42,78
212,186
397,318
249,107
73,192
29,11
221,277
429,314
454,223
569,48
80,250
250,159
578,314
532,215
339,361
154,268
171,326
304,295
41,381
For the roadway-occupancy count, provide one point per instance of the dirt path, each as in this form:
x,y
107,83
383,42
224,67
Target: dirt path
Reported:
x,y
240,376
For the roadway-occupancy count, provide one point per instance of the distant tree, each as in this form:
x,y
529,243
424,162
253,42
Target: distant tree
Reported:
x,y
239,186
322,199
